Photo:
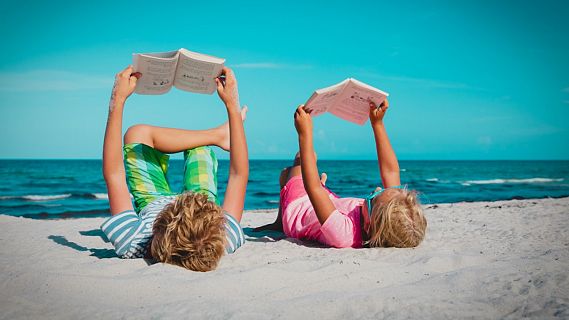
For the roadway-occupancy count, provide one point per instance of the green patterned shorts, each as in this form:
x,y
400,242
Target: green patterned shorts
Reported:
x,y
147,168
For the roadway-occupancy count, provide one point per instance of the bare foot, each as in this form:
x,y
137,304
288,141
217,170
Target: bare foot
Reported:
x,y
223,131
323,178
275,226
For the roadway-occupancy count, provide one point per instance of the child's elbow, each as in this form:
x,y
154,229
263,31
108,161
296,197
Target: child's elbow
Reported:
x,y
314,188
107,175
389,175
239,176
108,172
241,172
113,177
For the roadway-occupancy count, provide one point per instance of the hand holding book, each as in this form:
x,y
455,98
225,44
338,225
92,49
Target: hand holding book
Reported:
x,y
227,88
377,112
124,86
303,122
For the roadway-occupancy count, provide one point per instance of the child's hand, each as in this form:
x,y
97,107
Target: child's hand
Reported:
x,y
376,114
227,88
302,121
125,83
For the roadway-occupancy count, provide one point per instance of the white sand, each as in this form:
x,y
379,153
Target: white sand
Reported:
x,y
479,260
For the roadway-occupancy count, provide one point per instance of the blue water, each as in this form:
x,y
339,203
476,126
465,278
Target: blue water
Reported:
x,y
75,188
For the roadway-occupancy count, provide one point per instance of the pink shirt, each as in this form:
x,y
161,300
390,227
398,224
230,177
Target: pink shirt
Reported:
x,y
341,229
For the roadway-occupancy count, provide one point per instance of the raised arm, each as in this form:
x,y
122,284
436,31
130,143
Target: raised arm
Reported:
x,y
113,167
234,199
388,164
322,204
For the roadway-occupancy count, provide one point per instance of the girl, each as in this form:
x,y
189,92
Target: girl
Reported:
x,y
389,217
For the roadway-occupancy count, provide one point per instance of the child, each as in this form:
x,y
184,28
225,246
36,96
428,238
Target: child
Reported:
x,y
189,229
389,217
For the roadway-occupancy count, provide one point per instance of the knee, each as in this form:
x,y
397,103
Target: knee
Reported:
x,y
297,158
296,161
283,177
140,133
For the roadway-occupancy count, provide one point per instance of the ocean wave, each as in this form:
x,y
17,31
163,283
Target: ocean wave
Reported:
x,y
38,197
42,198
100,196
272,201
265,194
437,180
35,197
504,181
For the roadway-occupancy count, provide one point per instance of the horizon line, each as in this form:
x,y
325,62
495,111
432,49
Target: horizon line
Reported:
x,y
286,159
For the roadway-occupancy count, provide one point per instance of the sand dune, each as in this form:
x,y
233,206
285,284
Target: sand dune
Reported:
x,y
506,259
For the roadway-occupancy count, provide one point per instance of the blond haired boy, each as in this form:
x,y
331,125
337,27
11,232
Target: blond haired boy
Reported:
x,y
189,229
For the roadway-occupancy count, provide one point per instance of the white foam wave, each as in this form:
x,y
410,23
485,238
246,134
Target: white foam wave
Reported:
x,y
33,197
105,196
433,179
502,181
101,196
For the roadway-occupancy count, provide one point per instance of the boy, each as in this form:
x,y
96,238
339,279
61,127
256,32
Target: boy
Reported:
x,y
189,229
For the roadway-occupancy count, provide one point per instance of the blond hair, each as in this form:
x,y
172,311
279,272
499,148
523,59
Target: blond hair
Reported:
x,y
190,233
399,222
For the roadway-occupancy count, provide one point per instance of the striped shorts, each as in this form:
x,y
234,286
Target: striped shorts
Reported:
x,y
147,169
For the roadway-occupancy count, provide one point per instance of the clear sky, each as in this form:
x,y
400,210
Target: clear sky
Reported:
x,y
467,79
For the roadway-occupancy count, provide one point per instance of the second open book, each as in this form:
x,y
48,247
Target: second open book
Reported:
x,y
183,69
348,100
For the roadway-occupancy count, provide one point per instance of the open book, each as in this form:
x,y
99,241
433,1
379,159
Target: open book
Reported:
x,y
348,100
183,69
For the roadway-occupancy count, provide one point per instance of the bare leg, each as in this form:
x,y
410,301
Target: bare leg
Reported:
x,y
296,170
170,140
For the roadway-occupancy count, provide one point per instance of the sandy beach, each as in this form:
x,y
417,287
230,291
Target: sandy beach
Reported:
x,y
505,259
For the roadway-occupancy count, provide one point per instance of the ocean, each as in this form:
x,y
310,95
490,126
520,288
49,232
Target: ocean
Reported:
x,y
75,188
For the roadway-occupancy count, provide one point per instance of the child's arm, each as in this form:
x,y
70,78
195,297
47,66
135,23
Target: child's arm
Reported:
x,y
113,167
234,200
322,204
388,164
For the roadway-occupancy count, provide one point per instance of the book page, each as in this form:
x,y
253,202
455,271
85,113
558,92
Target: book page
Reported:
x,y
157,70
322,99
353,104
201,56
197,72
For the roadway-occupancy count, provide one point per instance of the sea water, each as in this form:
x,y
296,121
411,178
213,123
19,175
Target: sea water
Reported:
x,y
75,188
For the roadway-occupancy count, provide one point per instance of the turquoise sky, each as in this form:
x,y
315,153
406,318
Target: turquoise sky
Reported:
x,y
468,80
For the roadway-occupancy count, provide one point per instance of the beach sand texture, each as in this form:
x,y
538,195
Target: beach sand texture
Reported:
x,y
505,259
